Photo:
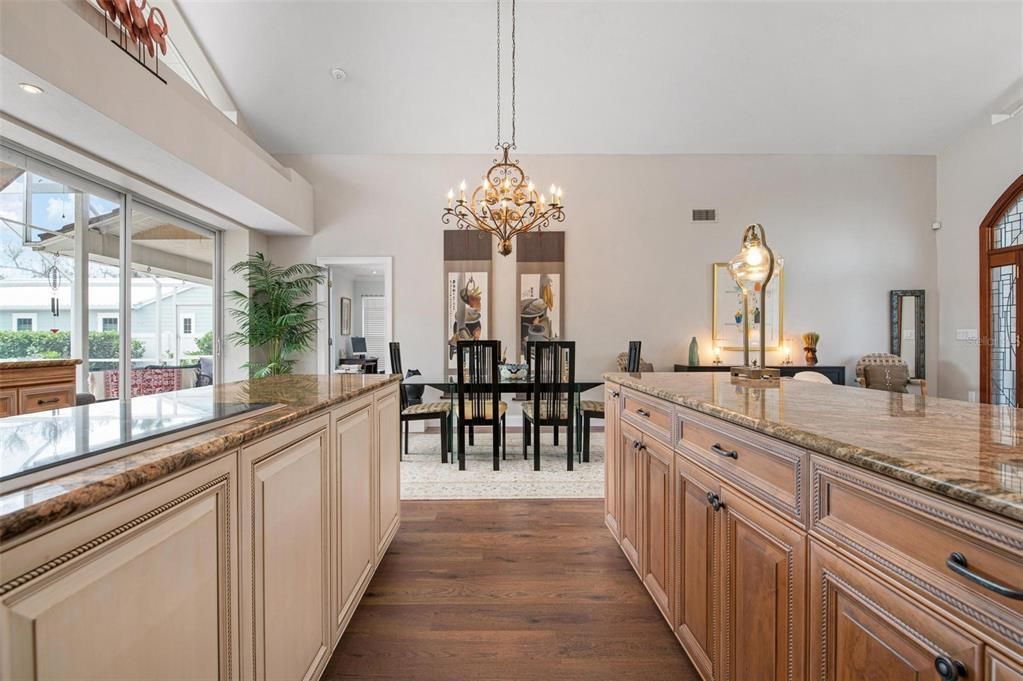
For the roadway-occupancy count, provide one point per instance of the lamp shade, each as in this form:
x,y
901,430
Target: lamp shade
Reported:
x,y
754,264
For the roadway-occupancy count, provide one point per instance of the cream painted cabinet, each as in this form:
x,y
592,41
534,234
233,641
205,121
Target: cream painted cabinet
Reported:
x,y
142,589
387,408
285,558
352,477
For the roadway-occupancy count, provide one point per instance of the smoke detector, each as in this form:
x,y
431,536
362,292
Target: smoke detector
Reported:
x,y
338,73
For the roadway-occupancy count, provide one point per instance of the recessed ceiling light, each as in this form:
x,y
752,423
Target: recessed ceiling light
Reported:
x,y
30,88
338,73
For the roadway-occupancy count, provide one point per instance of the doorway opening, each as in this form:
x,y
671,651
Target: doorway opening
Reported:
x,y
357,295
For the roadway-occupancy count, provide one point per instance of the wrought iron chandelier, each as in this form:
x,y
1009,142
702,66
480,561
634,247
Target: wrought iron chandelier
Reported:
x,y
505,203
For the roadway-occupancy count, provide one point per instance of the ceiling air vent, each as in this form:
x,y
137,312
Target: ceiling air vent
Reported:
x,y
705,215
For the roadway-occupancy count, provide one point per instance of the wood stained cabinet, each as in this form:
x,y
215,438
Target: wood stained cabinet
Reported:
x,y
612,460
763,567
629,442
285,561
697,544
863,629
1000,669
657,462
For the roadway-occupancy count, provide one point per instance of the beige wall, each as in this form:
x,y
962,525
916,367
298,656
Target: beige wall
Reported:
x,y
850,229
972,173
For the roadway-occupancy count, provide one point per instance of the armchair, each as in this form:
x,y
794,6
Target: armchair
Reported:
x,y
914,385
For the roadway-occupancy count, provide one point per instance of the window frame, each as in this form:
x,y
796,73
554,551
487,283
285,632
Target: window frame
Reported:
x,y
103,316
18,316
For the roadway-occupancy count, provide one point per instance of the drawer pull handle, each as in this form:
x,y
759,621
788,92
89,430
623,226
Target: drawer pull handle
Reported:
x,y
949,669
643,412
721,451
52,400
957,564
715,501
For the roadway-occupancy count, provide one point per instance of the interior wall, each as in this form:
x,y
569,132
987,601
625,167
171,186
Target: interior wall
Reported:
x,y
972,173
342,285
850,228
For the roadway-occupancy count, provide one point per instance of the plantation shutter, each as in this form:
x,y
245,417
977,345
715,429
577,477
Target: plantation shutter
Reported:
x,y
374,326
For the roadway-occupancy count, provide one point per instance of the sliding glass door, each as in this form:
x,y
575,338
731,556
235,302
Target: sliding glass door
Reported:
x,y
65,292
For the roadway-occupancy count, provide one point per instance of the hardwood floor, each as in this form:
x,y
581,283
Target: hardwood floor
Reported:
x,y
524,589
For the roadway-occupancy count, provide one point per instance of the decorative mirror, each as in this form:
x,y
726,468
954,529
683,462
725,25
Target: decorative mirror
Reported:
x,y
906,332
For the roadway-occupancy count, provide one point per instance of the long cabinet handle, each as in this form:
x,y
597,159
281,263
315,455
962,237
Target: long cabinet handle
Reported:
x,y
721,451
949,669
643,412
52,400
958,564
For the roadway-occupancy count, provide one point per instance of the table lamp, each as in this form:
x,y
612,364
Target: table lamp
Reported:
x,y
753,268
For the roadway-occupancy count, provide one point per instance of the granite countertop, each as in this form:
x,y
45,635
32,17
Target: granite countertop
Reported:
x,y
36,363
969,452
31,507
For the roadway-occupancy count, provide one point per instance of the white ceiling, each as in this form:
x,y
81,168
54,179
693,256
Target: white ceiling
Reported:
x,y
616,77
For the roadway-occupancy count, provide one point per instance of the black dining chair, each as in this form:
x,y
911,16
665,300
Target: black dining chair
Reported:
x,y
479,395
552,402
632,366
421,411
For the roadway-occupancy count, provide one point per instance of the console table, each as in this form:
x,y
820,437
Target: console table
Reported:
x,y
836,374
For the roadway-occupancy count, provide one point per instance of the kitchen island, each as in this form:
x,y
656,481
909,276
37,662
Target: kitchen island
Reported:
x,y
236,547
806,531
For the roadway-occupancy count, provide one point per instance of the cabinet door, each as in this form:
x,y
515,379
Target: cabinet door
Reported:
x,y
142,589
612,460
8,403
865,630
764,614
697,543
1000,669
285,561
386,457
629,443
658,545
353,465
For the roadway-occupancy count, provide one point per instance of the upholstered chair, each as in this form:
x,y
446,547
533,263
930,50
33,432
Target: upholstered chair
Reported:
x,y
893,372
623,363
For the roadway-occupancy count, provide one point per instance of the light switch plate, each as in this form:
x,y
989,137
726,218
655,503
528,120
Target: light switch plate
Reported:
x,y
966,334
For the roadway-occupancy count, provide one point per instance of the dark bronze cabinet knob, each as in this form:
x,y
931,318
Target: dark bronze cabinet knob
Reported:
x,y
949,669
715,501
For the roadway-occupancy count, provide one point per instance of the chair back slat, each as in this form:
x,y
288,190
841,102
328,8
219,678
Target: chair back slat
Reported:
x,y
552,367
478,377
634,349
395,350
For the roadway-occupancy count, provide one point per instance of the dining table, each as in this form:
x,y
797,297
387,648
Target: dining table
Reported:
x,y
522,385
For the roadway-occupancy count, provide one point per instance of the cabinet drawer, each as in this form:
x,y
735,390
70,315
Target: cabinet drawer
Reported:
x,y
770,470
651,416
46,397
8,403
912,535
863,629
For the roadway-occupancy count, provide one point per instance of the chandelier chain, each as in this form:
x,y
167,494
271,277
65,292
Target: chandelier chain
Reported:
x,y
514,22
498,145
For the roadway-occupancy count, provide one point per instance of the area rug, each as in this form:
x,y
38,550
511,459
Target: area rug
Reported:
x,y
423,476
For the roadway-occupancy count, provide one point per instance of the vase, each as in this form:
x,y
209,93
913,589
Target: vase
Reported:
x,y
694,353
811,356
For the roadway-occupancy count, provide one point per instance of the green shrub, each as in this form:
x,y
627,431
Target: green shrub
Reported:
x,y
51,345
203,345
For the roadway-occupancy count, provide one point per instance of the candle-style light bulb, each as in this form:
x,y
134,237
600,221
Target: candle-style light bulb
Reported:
x,y
451,197
461,191
542,202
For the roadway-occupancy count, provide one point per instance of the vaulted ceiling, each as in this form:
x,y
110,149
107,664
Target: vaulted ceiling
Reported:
x,y
616,77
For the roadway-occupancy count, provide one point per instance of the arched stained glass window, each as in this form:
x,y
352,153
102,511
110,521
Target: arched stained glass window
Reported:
x,y
1001,257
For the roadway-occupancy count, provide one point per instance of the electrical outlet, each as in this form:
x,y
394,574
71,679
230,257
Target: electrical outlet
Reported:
x,y
971,396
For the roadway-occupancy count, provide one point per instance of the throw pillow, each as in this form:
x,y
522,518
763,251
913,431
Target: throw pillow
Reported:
x,y
891,377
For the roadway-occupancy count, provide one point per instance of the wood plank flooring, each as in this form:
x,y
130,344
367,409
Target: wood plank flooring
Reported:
x,y
523,589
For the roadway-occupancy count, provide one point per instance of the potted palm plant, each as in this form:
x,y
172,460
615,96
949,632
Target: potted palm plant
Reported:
x,y
277,315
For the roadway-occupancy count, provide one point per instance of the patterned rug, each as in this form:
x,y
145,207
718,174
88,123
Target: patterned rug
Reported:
x,y
423,476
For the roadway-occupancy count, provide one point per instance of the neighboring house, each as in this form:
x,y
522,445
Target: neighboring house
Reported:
x,y
168,315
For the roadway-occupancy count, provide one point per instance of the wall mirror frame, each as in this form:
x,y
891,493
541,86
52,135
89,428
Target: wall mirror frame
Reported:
x,y
906,337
